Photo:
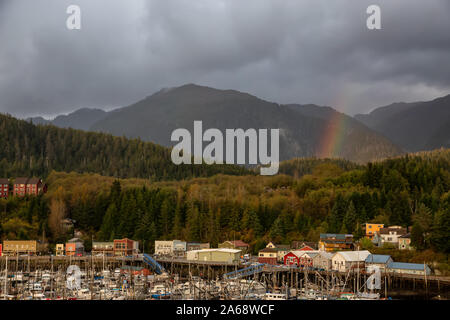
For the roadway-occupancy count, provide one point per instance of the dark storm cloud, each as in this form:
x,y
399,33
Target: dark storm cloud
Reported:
x,y
302,51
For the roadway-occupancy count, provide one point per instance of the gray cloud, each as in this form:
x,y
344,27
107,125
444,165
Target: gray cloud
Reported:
x,y
288,51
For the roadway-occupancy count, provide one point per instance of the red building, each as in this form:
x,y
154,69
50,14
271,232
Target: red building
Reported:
x,y
28,186
299,258
306,248
136,271
4,188
124,247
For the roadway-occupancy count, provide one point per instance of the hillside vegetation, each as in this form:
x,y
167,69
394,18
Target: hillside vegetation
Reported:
x,y
30,150
407,191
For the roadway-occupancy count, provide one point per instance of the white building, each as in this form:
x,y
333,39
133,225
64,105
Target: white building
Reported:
x,y
323,260
391,234
170,248
343,261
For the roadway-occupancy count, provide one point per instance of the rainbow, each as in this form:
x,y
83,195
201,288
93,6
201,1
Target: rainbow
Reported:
x,y
332,140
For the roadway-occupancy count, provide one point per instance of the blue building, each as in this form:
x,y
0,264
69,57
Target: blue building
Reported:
x,y
409,268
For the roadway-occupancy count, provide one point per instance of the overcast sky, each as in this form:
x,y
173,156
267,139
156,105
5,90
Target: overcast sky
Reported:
x,y
286,51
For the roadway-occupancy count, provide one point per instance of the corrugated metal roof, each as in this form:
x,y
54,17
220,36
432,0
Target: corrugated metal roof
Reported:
x,y
354,255
326,255
218,250
377,258
407,266
335,235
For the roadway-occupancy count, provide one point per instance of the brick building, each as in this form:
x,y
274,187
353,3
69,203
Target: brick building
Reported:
x,y
4,188
28,186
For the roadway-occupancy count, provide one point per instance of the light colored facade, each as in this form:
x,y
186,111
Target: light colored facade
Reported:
x,y
103,248
281,249
215,255
392,234
404,242
59,250
170,248
322,260
378,260
268,255
344,261
197,246
409,268
14,247
163,247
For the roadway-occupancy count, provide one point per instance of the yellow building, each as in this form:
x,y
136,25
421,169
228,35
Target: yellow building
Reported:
x,y
216,255
60,249
14,247
372,229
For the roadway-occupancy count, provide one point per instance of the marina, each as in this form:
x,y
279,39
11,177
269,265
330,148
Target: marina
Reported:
x,y
142,277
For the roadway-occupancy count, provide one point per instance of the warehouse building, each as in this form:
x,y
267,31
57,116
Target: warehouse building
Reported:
x,y
215,255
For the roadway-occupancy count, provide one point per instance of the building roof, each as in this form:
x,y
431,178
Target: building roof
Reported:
x,y
74,240
398,230
268,250
218,250
20,180
377,258
33,181
406,236
407,266
311,254
298,244
238,243
324,254
353,255
299,253
335,236
4,181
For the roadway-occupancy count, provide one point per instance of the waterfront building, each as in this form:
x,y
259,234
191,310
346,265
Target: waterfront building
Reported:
x,y
197,246
74,247
175,248
344,261
409,268
268,256
125,247
18,247
322,260
282,250
300,258
224,255
103,248
59,250
379,260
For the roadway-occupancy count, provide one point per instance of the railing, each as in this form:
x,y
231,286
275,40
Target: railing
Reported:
x,y
244,272
152,262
